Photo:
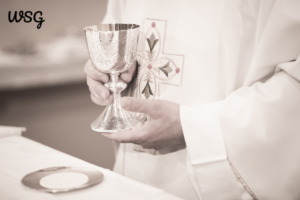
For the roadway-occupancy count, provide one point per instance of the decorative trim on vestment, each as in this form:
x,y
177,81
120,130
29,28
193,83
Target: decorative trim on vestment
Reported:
x,y
241,180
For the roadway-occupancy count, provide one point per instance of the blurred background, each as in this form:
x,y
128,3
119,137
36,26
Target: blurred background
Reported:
x,y
42,82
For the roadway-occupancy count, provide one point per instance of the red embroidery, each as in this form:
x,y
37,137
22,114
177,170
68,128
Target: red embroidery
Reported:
x,y
153,24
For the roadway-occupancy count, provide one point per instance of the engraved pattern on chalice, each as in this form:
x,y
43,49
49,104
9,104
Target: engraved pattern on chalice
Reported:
x,y
112,49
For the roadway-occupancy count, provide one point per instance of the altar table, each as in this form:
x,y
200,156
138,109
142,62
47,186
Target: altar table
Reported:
x,y
20,156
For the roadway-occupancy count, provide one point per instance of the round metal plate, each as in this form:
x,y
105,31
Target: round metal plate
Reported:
x,y
33,179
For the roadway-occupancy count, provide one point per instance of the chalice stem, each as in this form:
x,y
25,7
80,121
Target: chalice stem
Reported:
x,y
114,117
117,99
116,88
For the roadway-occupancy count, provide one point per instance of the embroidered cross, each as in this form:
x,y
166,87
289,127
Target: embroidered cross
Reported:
x,y
154,66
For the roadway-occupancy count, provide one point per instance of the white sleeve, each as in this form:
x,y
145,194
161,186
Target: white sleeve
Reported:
x,y
257,128
207,152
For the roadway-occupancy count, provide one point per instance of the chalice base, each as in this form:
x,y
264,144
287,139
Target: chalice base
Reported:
x,y
115,118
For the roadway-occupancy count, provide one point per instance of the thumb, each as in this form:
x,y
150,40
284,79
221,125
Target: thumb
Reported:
x,y
139,105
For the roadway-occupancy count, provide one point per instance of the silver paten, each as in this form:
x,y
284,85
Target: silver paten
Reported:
x,y
112,49
32,180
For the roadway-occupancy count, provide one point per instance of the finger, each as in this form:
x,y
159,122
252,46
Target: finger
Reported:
x,y
94,73
127,75
95,98
140,105
97,88
124,136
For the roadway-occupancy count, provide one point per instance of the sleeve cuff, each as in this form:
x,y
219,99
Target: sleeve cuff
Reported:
x,y
207,153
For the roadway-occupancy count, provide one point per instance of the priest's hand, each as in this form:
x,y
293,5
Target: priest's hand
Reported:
x,y
95,79
162,128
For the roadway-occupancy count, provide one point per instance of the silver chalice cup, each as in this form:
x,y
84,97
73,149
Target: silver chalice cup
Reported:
x,y
112,49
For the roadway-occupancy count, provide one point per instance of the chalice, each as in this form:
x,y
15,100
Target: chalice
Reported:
x,y
112,49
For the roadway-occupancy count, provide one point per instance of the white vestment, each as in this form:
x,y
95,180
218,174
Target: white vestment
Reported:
x,y
232,66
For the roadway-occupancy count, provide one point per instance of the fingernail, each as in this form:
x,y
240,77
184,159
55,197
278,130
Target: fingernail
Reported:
x,y
125,103
103,95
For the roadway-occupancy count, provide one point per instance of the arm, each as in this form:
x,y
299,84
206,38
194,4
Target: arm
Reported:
x,y
257,129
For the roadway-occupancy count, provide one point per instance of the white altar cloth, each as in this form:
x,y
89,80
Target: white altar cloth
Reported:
x,y
20,156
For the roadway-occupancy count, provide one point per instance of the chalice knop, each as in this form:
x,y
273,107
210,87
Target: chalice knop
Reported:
x,y
112,49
